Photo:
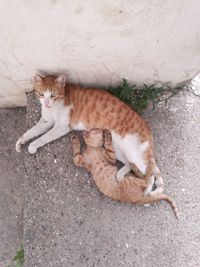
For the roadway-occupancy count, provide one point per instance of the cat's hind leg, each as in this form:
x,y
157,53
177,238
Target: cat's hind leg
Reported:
x,y
136,171
134,152
126,169
122,172
153,176
158,181
130,151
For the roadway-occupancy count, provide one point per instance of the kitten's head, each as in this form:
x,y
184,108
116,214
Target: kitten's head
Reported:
x,y
50,89
94,137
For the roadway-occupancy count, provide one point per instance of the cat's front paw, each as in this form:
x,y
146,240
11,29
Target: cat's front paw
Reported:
x,y
19,144
119,176
146,205
32,148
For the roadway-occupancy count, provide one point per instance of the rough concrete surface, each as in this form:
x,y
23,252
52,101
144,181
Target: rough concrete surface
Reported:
x,y
67,222
12,124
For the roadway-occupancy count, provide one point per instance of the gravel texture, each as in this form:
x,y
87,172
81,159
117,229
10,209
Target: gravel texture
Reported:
x,y
67,222
12,124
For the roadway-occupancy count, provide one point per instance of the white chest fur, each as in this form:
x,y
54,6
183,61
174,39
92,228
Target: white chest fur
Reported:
x,y
58,114
79,126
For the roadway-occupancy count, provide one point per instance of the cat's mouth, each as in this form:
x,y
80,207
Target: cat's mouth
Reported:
x,y
47,106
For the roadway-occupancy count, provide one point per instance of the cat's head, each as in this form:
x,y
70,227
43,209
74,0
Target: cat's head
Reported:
x,y
94,137
50,89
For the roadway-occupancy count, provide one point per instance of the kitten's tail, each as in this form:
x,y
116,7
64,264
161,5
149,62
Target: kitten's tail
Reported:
x,y
160,196
131,190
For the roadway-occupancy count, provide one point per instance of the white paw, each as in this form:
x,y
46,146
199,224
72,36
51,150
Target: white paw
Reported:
x,y
19,144
147,191
158,190
146,205
32,148
119,176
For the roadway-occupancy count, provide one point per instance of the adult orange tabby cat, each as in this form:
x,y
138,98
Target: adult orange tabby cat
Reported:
x,y
66,106
99,159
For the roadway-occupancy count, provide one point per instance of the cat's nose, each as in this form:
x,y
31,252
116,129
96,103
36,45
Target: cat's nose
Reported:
x,y
47,103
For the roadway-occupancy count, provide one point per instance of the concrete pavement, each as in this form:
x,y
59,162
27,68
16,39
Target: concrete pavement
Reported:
x,y
68,222
12,124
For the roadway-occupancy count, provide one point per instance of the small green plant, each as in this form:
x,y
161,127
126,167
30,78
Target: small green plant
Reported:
x,y
139,97
18,260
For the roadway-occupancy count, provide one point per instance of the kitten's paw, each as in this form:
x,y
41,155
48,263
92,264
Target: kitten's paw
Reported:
x,y
119,177
158,190
147,191
107,136
19,144
32,149
74,139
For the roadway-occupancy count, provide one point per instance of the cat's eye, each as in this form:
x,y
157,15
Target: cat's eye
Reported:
x,y
54,94
40,94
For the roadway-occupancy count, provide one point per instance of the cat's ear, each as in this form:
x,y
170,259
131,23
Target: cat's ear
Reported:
x,y
37,80
61,80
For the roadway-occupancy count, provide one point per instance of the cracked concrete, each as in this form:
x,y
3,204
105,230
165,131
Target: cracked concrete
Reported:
x,y
11,181
68,222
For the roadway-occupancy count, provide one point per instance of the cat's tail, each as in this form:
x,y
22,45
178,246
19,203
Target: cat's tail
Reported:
x,y
157,197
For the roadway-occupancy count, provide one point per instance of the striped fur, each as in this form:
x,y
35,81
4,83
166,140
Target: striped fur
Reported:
x,y
99,159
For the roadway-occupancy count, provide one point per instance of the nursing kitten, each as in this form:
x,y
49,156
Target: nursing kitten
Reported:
x,y
66,106
99,159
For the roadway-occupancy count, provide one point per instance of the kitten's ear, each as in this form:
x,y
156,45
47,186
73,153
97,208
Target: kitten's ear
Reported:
x,y
37,80
85,133
61,80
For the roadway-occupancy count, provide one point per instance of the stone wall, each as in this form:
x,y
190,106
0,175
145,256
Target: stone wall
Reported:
x,y
97,42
